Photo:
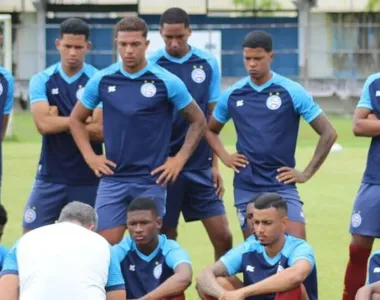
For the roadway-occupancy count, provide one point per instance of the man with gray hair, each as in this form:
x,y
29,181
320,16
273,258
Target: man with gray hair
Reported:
x,y
66,260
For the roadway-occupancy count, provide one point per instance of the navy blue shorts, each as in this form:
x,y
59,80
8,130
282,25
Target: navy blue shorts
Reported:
x,y
366,211
47,200
194,195
113,198
291,196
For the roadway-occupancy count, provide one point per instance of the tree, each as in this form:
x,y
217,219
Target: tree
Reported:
x,y
257,4
373,5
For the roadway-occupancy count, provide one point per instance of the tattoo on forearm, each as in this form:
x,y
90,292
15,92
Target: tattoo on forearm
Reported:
x,y
208,284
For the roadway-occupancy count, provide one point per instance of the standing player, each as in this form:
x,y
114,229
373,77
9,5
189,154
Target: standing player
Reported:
x,y
194,193
364,226
153,266
138,99
274,263
266,109
63,175
6,105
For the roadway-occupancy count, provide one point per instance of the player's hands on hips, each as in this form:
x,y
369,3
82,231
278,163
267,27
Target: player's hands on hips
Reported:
x,y
100,165
218,182
232,295
235,161
53,110
169,170
288,175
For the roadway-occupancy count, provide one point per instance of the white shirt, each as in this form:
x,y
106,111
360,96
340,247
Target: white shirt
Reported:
x,y
63,261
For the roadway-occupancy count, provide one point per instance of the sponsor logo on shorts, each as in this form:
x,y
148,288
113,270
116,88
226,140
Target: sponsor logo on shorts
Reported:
x,y
157,271
376,270
30,215
356,220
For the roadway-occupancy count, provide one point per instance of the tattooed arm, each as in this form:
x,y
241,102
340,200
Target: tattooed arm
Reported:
x,y
206,280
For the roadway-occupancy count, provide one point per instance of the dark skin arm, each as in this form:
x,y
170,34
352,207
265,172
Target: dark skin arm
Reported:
x,y
98,163
173,166
327,137
216,176
365,123
174,285
5,126
47,122
233,161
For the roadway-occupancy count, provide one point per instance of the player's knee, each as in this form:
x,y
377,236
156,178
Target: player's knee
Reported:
x,y
171,233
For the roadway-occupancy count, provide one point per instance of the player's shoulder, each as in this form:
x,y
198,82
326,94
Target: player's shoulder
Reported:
x,y
112,69
372,78
208,56
156,55
236,86
89,70
293,244
290,85
124,246
167,245
375,256
162,73
45,74
6,73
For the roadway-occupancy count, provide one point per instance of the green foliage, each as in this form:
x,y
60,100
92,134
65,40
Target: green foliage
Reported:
x,y
372,5
257,4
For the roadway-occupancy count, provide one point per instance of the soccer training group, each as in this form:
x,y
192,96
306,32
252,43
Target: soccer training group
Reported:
x,y
137,144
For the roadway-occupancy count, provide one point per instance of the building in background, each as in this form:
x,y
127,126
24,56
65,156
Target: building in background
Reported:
x,y
342,48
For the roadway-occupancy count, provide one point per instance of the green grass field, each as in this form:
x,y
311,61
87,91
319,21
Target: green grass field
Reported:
x,y
328,198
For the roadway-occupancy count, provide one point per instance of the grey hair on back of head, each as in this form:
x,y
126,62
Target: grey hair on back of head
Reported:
x,y
79,212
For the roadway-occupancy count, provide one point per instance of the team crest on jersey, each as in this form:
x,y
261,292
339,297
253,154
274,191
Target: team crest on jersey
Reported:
x,y
30,215
356,219
274,101
148,89
241,218
1,89
198,74
157,271
80,92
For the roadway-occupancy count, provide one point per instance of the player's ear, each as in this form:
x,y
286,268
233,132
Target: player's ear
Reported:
x,y
285,222
159,223
190,30
89,45
147,43
271,55
57,43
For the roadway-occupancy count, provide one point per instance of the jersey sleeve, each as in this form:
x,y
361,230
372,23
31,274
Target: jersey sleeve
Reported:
x,y
365,97
304,104
115,278
10,265
176,255
90,98
37,88
215,84
374,268
178,93
233,259
220,112
302,251
10,94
